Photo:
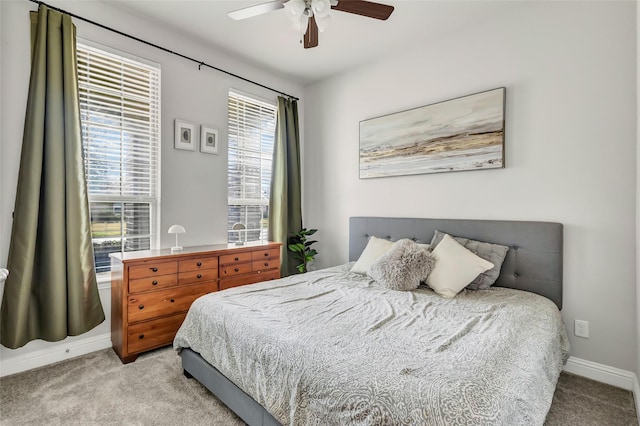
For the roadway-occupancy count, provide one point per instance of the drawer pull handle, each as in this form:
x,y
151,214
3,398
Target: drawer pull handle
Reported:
x,y
172,300
266,254
237,270
141,307
199,275
266,263
236,259
199,264
154,283
141,336
154,269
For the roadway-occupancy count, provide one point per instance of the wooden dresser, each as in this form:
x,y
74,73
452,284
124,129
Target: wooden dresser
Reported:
x,y
151,291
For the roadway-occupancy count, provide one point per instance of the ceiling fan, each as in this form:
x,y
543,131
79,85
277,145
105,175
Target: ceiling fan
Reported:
x,y
308,16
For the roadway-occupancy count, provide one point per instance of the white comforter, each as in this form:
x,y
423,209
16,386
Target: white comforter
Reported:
x,y
333,347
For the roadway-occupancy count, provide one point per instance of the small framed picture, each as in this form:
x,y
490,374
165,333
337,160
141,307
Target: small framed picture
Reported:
x,y
208,139
185,135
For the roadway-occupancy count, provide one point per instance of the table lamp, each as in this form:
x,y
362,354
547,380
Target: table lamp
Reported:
x,y
176,229
240,227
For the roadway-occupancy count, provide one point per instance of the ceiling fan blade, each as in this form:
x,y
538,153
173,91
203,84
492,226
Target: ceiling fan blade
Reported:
x,y
365,8
259,9
311,36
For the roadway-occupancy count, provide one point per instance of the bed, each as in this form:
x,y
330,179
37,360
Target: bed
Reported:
x,y
334,347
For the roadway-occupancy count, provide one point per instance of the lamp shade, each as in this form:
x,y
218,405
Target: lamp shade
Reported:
x,y
176,229
238,226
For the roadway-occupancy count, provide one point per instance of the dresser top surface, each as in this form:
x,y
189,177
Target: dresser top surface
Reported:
x,y
219,249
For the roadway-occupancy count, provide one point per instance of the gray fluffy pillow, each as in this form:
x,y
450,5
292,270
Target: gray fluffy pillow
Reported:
x,y
494,253
402,267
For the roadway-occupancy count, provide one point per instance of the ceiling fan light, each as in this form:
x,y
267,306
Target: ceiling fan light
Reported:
x,y
321,7
294,8
323,22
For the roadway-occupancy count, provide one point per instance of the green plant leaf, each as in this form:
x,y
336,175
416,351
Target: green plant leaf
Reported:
x,y
301,267
312,252
296,248
308,243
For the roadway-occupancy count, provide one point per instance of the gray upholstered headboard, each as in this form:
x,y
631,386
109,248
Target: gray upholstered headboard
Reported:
x,y
533,262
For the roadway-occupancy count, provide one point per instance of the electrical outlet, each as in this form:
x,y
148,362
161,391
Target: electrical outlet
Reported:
x,y
581,328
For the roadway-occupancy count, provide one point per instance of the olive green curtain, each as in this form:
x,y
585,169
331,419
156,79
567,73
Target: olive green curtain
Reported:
x,y
285,210
51,292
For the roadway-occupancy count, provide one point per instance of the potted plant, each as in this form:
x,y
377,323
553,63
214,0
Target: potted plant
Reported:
x,y
301,248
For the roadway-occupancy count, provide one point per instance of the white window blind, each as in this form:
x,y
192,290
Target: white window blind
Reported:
x,y
251,136
120,115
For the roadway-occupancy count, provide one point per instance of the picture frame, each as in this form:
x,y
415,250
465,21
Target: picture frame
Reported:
x,y
184,137
464,133
209,139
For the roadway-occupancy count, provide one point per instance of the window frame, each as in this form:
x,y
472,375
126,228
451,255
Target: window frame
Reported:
x,y
155,203
259,102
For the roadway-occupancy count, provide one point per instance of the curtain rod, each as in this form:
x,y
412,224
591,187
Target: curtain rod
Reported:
x,y
200,63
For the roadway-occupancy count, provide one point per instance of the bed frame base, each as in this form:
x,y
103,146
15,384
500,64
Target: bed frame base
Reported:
x,y
194,366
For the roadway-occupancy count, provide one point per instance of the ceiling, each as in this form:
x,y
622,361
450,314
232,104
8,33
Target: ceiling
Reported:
x,y
270,41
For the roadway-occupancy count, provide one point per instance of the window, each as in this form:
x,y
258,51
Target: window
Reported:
x,y
251,132
120,116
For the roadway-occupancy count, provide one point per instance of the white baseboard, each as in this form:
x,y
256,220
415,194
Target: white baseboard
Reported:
x,y
57,353
610,375
602,373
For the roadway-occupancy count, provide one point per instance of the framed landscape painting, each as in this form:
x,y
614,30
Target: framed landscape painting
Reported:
x,y
465,133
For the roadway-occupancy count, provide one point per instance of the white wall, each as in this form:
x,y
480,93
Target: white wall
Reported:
x,y
637,194
194,185
569,70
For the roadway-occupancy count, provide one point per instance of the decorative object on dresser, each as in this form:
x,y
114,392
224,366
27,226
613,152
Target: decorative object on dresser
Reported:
x,y
465,133
208,139
176,229
184,137
240,227
152,290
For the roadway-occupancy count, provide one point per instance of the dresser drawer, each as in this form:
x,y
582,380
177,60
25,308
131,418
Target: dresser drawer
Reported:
x,y
165,302
265,254
152,269
197,276
232,259
231,270
153,334
264,264
198,264
249,279
152,283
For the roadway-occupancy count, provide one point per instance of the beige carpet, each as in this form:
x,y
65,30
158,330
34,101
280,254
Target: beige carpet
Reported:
x,y
96,389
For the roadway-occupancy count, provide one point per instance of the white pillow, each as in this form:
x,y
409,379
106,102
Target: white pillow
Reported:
x,y
375,248
455,267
